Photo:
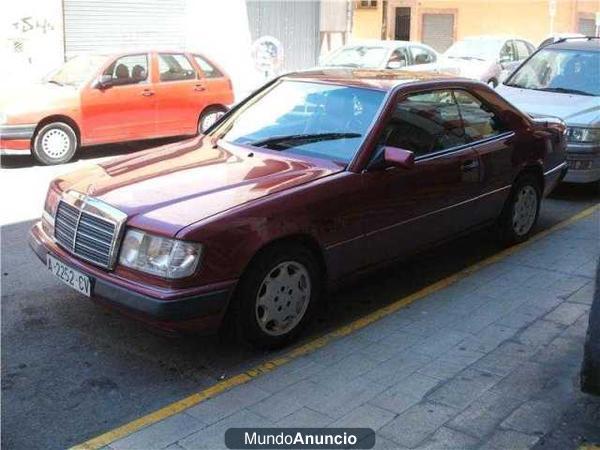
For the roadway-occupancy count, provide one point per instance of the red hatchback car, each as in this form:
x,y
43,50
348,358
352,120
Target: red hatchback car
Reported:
x,y
317,177
99,99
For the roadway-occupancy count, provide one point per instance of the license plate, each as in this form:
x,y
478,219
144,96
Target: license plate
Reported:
x,y
71,277
577,164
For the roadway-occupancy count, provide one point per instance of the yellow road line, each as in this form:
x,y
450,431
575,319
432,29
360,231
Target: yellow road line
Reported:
x,y
311,346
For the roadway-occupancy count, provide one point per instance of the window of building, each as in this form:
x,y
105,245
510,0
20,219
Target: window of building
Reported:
x,y
366,4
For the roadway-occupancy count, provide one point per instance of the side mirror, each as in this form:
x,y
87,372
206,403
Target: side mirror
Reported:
x,y
395,65
398,157
103,82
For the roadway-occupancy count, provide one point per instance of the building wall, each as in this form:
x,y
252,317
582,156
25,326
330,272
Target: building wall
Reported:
x,y
529,19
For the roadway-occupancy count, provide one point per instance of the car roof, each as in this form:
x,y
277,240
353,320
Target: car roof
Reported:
x,y
576,44
384,80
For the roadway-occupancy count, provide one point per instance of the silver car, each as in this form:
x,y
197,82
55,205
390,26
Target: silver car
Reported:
x,y
562,80
488,58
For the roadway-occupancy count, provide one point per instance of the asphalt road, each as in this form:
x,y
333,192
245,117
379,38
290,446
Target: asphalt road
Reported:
x,y
72,369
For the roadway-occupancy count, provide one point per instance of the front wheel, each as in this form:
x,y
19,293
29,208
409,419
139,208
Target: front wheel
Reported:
x,y
521,210
209,116
277,294
55,143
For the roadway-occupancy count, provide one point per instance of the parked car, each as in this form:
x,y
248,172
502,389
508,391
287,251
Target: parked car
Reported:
x,y
315,178
488,58
99,99
562,80
373,54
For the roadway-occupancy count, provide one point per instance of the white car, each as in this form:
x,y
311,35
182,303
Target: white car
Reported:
x,y
488,58
393,55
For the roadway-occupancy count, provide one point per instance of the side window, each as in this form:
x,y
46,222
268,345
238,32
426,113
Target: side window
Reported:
x,y
421,55
130,69
507,54
175,67
522,50
480,122
398,59
207,68
425,123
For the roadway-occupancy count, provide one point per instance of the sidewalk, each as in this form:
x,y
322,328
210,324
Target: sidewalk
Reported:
x,y
491,361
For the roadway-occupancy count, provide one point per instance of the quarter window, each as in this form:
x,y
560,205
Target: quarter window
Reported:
x,y
130,69
175,67
425,123
480,122
207,68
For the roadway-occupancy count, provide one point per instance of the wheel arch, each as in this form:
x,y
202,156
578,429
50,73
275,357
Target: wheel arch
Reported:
x,y
536,171
58,118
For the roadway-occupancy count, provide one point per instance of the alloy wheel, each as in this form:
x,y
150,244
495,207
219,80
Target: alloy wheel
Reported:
x,y
55,143
525,210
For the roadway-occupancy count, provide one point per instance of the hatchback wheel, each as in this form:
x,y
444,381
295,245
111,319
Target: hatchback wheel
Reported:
x,y
521,210
209,117
55,143
277,295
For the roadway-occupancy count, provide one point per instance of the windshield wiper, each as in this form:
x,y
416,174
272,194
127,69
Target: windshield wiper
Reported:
x,y
55,82
301,138
563,90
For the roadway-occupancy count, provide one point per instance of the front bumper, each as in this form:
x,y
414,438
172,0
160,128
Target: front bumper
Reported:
x,y
16,139
168,309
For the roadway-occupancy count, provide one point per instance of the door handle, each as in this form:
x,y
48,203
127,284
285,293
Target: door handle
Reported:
x,y
199,88
469,165
147,93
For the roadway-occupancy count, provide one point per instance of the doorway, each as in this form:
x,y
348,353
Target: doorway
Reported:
x,y
402,31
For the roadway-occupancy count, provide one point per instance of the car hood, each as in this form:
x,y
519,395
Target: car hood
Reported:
x,y
40,97
171,187
575,110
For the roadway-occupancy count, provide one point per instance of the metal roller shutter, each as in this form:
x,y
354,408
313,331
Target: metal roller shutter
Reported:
x,y
438,31
587,27
93,26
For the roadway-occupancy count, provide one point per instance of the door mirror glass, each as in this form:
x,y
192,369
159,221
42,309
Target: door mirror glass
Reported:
x,y
398,157
103,82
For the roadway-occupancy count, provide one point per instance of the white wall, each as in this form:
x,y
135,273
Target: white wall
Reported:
x,y
31,39
220,31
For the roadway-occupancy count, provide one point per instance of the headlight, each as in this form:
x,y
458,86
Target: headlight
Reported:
x,y
583,135
50,205
164,257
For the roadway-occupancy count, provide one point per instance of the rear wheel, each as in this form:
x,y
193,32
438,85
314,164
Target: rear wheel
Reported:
x,y
521,210
55,143
209,116
277,294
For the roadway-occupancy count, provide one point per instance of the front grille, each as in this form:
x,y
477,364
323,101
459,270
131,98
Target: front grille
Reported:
x,y
84,234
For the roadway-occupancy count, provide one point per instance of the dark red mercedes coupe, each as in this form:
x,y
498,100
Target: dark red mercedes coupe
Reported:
x,y
317,177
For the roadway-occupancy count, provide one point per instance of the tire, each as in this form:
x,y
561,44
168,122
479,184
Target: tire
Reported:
x,y
55,143
521,210
209,116
282,279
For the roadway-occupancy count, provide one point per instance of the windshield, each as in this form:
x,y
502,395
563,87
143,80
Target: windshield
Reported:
x,y
77,70
483,49
313,119
558,70
364,57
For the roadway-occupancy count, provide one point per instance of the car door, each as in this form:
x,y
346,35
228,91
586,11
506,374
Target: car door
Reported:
x,y
218,87
493,141
180,95
410,209
123,107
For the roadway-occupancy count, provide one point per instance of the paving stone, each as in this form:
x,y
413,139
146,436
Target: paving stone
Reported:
x,y
213,437
346,369
227,403
525,381
390,346
286,402
439,343
488,338
446,438
579,329
396,369
513,440
160,434
534,417
305,417
541,332
417,423
365,416
406,393
382,443
287,375
561,351
567,313
464,388
481,417
445,367
585,295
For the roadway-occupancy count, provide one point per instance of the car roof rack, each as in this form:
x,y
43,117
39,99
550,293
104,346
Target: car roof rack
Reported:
x,y
564,39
